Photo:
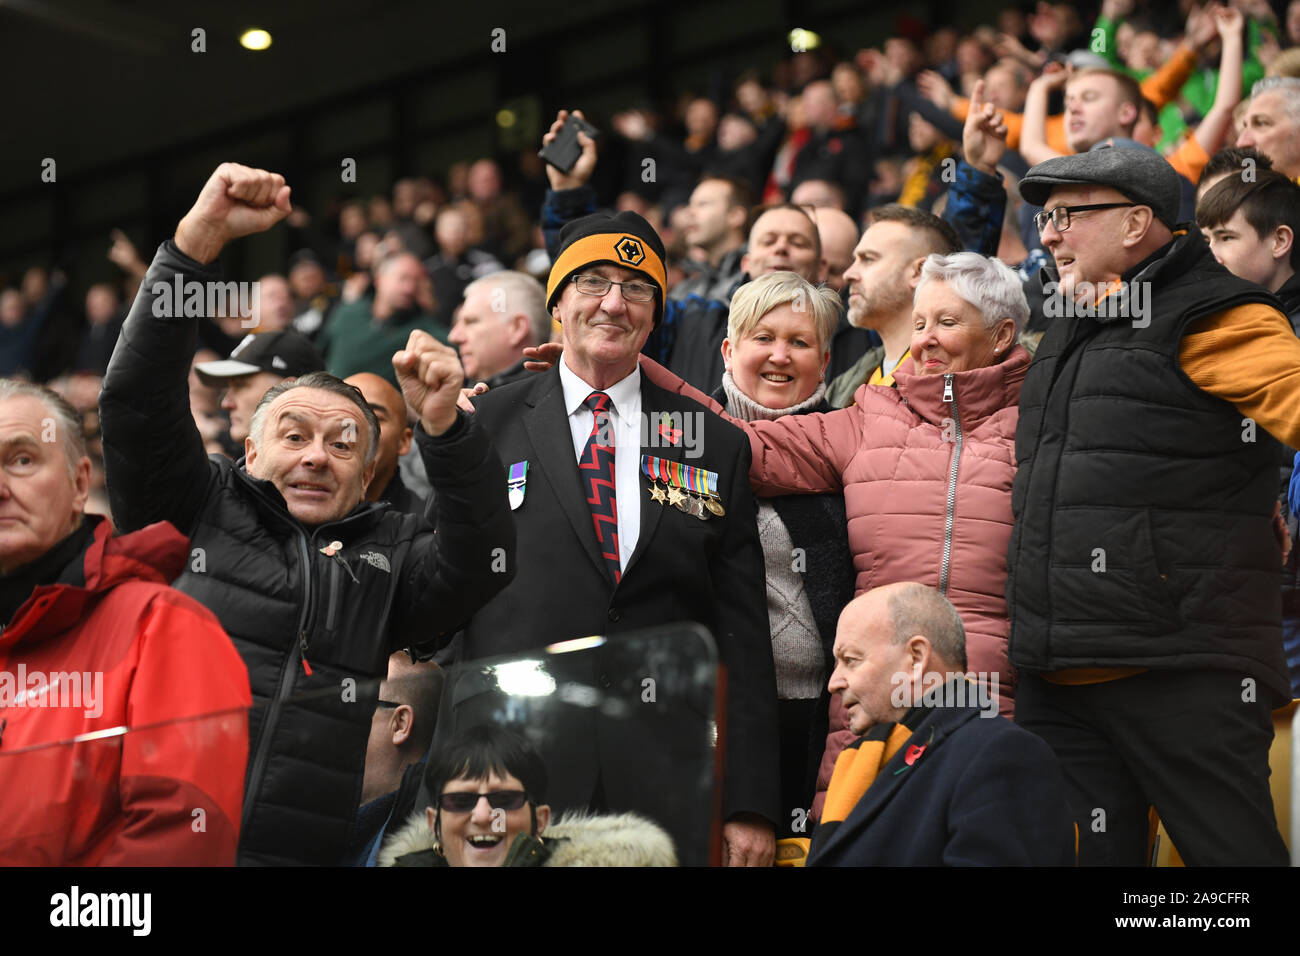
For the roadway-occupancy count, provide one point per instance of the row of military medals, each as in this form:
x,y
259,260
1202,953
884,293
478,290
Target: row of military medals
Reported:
x,y
691,490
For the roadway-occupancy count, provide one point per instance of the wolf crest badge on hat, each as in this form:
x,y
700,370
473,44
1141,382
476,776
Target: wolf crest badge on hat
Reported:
x,y
630,251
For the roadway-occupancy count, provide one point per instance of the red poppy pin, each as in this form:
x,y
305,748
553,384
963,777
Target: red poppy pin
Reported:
x,y
910,757
670,435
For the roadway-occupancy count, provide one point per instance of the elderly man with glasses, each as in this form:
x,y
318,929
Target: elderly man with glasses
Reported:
x,y
632,509
1143,586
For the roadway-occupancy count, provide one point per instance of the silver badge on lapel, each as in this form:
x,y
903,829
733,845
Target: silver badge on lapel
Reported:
x,y
517,484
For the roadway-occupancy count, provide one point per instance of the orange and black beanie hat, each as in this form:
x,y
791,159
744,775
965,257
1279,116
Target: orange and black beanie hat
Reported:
x,y
625,240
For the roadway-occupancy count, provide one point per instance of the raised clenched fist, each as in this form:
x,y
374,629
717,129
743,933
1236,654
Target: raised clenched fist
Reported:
x,y
235,201
430,376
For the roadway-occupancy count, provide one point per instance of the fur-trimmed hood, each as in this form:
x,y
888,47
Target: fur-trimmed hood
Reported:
x,y
575,839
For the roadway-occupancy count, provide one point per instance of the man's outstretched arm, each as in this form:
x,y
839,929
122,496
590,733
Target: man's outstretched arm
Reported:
x,y
460,567
154,461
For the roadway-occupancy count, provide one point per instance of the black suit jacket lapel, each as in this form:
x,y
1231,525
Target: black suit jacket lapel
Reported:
x,y
546,426
653,402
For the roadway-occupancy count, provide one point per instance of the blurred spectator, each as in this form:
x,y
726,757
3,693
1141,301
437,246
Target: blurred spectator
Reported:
x,y
362,336
205,405
257,363
352,223
678,163
926,174
1230,161
818,193
17,335
505,224
834,151
104,315
275,305
716,225
502,315
1006,84
401,731
395,434
312,295
123,254
839,234
456,264
380,213
1272,123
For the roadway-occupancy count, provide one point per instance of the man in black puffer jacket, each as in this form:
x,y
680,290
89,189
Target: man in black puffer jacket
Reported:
x,y
315,587
1144,566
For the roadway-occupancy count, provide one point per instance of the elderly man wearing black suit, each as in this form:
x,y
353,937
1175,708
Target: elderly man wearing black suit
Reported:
x,y
938,778
633,509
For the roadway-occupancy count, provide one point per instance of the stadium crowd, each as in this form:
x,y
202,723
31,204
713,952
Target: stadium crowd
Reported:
x,y
972,371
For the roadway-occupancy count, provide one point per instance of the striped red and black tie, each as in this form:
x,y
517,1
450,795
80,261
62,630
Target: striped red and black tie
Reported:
x,y
596,467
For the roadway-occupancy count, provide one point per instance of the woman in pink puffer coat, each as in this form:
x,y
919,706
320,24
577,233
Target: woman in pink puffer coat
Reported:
x,y
926,466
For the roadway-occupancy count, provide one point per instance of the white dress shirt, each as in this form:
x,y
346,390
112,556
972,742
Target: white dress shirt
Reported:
x,y
625,425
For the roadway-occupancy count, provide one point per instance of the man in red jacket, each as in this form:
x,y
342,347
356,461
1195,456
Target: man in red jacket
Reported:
x,y
123,704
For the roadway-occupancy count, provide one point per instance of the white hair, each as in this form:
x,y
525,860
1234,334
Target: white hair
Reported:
x,y
1288,86
523,294
985,283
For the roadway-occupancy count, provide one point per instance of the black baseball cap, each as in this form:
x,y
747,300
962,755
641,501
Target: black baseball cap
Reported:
x,y
286,353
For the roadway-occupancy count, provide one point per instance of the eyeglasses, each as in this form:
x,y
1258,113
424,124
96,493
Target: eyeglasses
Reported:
x,y
634,290
465,801
1060,216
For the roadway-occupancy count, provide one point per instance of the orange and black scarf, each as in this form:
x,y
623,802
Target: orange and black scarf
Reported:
x,y
858,766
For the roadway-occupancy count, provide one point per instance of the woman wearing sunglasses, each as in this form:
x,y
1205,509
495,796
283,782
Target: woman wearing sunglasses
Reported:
x,y
490,810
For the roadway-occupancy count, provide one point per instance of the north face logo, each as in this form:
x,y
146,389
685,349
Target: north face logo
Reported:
x,y
630,251
376,560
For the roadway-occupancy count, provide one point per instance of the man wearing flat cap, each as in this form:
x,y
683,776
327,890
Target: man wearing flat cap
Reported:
x,y
1144,566
632,509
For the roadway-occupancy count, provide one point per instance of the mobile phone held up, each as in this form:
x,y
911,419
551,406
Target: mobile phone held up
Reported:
x,y
563,151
